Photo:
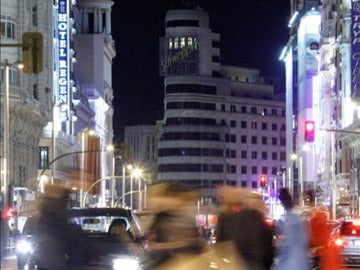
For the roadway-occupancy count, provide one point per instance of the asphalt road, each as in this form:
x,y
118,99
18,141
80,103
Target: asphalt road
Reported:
x,y
10,264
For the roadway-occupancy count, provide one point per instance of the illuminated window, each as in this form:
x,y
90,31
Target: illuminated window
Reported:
x,y
7,27
170,44
182,42
43,157
190,41
176,43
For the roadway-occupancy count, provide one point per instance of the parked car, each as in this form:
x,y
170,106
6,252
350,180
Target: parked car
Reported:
x,y
101,250
347,237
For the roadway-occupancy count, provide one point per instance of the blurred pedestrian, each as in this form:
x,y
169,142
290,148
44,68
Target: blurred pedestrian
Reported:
x,y
56,248
118,231
294,246
242,220
173,231
325,254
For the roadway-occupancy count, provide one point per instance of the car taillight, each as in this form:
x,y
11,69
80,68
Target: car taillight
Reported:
x,y
269,221
339,242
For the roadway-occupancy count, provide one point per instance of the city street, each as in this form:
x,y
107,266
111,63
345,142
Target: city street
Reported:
x,y
10,264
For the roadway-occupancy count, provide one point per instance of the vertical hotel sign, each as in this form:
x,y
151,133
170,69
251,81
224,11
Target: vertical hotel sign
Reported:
x,y
355,49
63,74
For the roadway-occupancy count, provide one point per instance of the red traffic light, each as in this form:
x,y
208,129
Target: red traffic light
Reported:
x,y
309,131
263,180
9,213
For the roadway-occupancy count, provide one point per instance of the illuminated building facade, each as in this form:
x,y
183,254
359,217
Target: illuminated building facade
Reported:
x,y
30,94
318,88
82,108
222,124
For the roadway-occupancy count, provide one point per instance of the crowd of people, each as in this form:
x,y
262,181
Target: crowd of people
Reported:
x,y
173,240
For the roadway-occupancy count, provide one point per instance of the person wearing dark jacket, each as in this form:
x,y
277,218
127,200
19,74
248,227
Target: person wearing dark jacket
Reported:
x,y
243,222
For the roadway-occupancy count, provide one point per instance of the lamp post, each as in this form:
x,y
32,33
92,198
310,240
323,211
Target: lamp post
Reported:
x,y
6,128
130,167
123,184
300,177
137,174
6,142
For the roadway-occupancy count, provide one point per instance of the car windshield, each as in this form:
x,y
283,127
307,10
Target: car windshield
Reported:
x,y
350,228
97,224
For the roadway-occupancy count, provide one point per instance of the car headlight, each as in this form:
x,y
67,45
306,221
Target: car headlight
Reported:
x,y
23,246
126,263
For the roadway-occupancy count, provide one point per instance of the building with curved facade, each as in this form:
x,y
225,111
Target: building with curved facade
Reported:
x,y
222,124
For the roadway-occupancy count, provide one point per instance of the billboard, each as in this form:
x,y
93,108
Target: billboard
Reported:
x,y
62,63
179,56
355,49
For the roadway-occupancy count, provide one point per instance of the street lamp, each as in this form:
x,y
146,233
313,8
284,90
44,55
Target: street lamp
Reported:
x,y
6,128
131,168
138,174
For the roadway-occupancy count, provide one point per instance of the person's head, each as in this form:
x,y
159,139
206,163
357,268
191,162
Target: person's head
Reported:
x,y
53,203
117,227
169,196
255,201
232,198
285,199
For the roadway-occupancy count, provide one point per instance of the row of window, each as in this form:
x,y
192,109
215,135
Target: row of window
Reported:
x,y
190,121
7,27
191,88
197,136
191,105
182,42
211,152
254,125
177,23
214,152
256,155
216,137
212,122
254,110
216,168
264,155
264,140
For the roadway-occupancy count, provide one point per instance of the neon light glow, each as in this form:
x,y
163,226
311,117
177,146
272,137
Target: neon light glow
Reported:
x,y
63,58
355,49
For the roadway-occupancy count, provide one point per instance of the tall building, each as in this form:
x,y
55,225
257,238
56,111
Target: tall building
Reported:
x,y
222,124
65,109
30,95
95,50
142,140
319,88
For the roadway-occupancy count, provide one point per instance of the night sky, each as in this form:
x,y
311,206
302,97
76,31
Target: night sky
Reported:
x,y
252,34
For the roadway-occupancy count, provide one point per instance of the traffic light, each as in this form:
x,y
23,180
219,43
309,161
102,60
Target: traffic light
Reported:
x,y
32,52
8,213
263,180
309,131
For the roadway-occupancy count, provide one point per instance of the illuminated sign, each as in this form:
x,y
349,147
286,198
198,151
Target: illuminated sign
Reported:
x,y
63,58
170,57
355,49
